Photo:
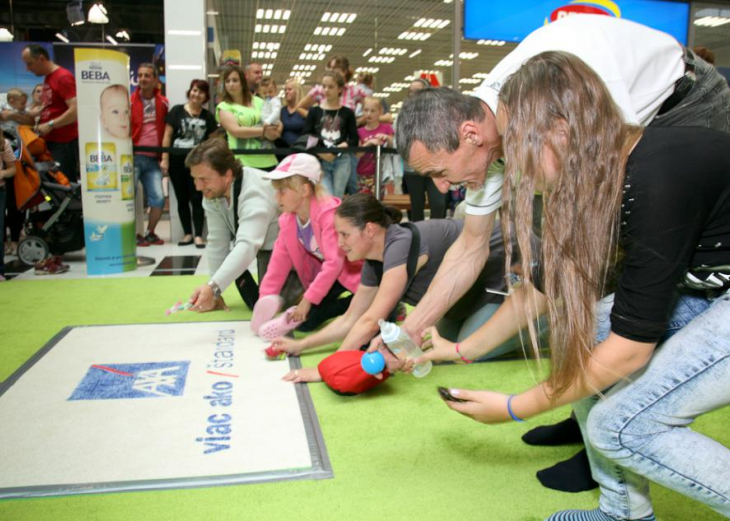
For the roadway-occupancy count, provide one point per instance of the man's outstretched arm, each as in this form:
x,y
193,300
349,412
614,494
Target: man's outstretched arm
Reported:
x,y
460,268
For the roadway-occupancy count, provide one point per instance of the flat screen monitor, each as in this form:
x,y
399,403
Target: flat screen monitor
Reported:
x,y
513,20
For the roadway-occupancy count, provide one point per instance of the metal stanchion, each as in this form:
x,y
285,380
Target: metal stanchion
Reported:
x,y
378,174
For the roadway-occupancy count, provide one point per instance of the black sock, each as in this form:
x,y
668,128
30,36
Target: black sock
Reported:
x,y
571,475
567,431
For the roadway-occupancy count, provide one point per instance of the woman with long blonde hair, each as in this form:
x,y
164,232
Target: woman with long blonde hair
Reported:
x,y
638,219
292,119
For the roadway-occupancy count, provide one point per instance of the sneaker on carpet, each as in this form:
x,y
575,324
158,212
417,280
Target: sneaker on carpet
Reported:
x,y
264,310
279,326
51,266
141,241
153,239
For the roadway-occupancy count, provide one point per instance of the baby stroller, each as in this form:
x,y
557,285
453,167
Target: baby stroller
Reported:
x,y
55,222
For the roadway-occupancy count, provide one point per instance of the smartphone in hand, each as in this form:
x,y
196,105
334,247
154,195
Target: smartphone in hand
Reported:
x,y
447,396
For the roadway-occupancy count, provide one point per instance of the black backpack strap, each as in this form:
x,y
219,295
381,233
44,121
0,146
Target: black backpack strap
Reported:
x,y
411,263
237,186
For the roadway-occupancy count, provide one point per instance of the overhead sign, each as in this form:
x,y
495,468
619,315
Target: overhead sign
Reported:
x,y
513,21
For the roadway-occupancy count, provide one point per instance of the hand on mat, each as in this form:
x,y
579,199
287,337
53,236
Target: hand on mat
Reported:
x,y
220,305
288,345
203,301
301,311
439,349
482,406
304,375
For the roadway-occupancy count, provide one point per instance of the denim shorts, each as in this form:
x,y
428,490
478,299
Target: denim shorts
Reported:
x,y
147,170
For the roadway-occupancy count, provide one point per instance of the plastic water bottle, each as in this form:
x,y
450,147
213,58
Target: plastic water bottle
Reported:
x,y
398,340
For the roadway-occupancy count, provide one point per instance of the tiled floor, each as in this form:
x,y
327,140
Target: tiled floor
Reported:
x,y
165,260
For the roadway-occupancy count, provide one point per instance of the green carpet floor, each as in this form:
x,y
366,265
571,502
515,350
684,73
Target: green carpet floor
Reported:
x,y
397,453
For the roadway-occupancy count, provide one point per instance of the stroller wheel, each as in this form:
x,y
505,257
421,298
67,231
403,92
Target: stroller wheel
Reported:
x,y
33,249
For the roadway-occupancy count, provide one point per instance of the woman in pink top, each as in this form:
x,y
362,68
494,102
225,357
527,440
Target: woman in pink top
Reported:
x,y
307,242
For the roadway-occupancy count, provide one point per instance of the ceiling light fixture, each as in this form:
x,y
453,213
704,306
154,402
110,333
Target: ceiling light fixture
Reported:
x,y
712,17
5,35
111,40
98,14
75,12
62,38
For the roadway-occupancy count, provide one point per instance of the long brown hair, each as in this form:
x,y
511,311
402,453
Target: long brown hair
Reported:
x,y
227,71
556,91
341,62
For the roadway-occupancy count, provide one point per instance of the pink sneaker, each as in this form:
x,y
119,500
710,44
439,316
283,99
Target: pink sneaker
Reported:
x,y
264,310
279,326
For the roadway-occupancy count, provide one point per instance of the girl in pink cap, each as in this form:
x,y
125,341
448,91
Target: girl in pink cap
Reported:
x,y
307,244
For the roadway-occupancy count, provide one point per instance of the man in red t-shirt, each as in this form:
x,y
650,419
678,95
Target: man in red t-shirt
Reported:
x,y
58,118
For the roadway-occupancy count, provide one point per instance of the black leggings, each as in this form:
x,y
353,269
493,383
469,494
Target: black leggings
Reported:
x,y
15,219
330,307
418,186
187,196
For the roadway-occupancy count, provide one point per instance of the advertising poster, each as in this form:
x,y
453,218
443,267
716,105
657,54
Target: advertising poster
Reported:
x,y
107,168
13,73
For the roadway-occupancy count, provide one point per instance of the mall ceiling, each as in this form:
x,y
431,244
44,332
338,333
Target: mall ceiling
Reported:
x,y
376,25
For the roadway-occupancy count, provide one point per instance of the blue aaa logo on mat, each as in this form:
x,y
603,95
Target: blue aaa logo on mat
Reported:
x,y
118,381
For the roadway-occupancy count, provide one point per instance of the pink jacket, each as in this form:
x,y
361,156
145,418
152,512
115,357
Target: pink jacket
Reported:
x,y
316,277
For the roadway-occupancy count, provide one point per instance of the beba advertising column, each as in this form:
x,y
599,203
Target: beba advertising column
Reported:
x,y
107,168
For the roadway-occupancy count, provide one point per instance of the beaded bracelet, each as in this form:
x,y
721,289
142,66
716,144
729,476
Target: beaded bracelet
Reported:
x,y
509,410
465,360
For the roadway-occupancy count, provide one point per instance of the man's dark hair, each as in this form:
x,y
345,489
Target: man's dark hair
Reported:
x,y
37,51
215,153
433,117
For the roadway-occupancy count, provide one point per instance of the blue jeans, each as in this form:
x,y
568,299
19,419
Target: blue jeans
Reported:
x,y
459,330
336,174
147,169
641,431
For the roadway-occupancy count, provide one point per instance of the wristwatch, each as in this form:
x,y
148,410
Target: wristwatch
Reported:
x,y
50,123
216,289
